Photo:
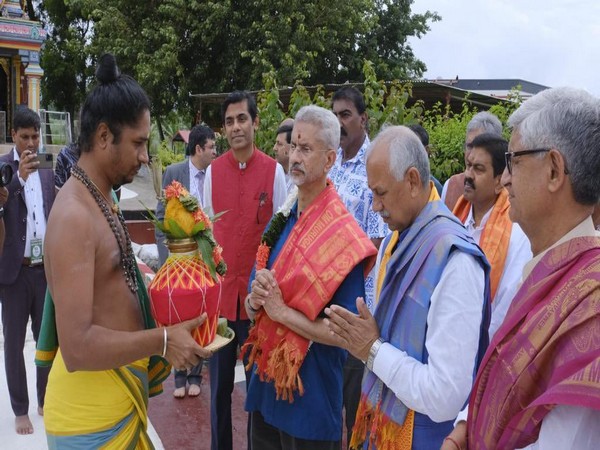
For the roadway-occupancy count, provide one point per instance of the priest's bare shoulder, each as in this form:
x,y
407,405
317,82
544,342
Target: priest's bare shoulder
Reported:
x,y
101,316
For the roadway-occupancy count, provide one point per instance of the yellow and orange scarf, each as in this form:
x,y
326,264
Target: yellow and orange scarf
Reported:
x,y
495,237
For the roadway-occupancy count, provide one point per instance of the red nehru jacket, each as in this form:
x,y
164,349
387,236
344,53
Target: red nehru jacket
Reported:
x,y
247,196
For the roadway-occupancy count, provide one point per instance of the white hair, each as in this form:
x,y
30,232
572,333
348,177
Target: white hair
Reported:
x,y
405,151
568,120
325,120
486,122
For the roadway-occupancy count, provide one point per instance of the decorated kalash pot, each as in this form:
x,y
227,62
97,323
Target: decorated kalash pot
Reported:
x,y
189,282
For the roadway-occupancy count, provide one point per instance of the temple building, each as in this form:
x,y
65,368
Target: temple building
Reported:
x,y
20,71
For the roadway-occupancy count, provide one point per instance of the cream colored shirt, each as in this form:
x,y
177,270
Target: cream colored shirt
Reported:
x,y
519,253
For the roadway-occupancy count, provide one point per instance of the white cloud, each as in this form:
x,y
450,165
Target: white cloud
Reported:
x,y
551,42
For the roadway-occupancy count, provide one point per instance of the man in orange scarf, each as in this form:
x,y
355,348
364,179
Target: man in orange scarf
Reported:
x,y
482,122
317,255
483,208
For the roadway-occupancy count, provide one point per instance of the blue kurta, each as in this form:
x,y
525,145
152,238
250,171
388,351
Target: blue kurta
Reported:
x,y
317,415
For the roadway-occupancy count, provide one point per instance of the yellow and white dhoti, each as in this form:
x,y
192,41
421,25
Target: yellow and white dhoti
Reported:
x,y
97,409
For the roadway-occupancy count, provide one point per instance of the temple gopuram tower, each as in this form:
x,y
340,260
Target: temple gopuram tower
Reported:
x,y
20,71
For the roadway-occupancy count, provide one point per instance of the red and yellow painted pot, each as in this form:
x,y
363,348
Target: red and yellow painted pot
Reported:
x,y
183,289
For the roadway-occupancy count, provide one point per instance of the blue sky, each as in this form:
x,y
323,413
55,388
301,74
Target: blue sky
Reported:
x,y
552,42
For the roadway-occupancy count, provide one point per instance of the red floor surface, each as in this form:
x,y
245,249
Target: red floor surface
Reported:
x,y
185,423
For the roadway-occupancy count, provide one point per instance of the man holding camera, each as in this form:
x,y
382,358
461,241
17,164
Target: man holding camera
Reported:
x,y
22,279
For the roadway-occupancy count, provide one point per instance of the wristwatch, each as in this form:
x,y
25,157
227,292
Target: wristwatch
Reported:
x,y
373,353
1,212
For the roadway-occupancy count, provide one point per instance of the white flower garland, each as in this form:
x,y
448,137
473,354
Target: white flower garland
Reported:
x,y
286,208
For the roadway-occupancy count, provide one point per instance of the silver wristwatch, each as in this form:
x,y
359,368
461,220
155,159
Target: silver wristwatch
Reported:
x,y
373,353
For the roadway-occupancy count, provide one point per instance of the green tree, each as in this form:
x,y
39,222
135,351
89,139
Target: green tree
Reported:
x,y
65,54
386,42
178,47
271,113
387,103
447,132
145,39
306,40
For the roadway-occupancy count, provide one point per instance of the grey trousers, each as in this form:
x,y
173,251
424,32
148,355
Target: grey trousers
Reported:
x,y
194,376
21,300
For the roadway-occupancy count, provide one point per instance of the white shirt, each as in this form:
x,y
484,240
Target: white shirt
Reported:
x,y
34,200
519,253
279,189
289,183
440,388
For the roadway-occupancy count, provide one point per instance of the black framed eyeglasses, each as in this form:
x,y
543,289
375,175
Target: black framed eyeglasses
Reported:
x,y
508,156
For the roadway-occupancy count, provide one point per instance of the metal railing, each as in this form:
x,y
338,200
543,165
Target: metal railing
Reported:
x,y
55,127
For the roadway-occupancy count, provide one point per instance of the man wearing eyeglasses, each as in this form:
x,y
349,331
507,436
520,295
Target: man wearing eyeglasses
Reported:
x,y
539,384
317,256
484,209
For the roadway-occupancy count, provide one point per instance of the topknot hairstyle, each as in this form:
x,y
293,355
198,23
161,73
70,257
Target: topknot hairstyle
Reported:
x,y
107,70
117,100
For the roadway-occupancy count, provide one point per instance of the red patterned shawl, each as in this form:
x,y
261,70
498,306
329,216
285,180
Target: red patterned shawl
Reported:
x,y
321,250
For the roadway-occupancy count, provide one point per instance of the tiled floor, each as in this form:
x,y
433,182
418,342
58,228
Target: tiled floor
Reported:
x,y
185,423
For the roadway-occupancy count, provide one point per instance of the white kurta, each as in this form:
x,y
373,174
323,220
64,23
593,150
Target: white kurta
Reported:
x,y
440,387
519,254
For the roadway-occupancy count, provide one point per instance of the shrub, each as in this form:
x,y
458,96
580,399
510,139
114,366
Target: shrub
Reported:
x,y
166,156
388,103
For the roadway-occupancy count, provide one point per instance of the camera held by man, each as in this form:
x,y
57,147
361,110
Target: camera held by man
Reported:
x,y
6,174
